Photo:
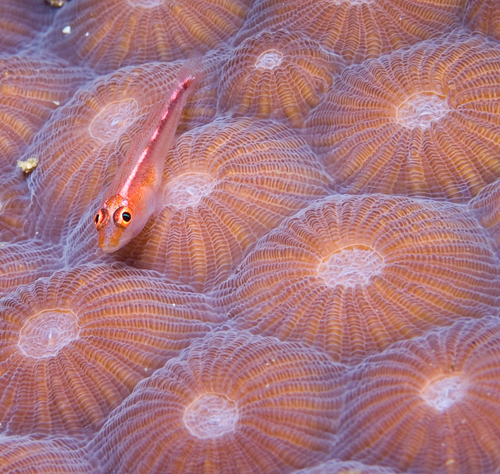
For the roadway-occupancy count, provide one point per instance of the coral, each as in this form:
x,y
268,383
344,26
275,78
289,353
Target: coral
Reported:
x,y
317,288
231,403
82,145
276,75
30,90
73,346
225,185
351,275
24,455
201,107
137,31
349,467
443,386
483,16
486,207
422,122
14,200
22,263
17,28
356,29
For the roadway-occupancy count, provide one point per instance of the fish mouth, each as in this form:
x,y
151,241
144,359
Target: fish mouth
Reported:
x,y
108,247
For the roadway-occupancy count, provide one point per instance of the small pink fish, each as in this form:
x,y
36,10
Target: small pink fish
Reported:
x,y
134,193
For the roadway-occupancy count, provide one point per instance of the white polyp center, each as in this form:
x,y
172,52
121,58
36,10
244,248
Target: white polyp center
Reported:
x,y
442,393
145,3
351,266
113,119
45,333
421,109
269,59
188,189
210,416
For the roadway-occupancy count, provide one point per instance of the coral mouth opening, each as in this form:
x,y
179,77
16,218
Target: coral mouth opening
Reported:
x,y
110,122
442,393
188,189
45,333
270,59
210,416
421,109
351,266
145,3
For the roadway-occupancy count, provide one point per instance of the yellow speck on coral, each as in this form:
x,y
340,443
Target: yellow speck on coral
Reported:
x,y
29,165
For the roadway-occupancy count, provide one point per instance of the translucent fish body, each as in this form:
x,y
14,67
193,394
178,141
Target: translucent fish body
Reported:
x,y
134,193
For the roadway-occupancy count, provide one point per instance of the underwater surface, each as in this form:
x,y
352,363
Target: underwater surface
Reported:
x,y
315,284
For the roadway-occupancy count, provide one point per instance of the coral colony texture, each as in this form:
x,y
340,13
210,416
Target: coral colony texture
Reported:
x,y
318,290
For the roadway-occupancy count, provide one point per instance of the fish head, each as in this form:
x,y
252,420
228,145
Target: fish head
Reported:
x,y
117,223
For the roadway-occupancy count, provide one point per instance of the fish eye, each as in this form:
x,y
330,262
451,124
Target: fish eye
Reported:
x,y
101,218
123,216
